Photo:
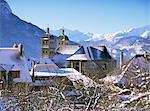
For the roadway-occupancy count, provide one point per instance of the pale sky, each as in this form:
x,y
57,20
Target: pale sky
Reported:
x,y
96,16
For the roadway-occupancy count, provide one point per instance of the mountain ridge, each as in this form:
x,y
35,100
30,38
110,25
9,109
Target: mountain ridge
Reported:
x,y
15,30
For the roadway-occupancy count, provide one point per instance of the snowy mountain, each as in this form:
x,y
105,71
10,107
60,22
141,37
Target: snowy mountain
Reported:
x,y
14,30
133,41
74,35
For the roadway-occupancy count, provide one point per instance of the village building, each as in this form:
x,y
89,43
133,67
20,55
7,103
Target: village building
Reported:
x,y
135,72
65,51
93,61
44,75
13,67
63,39
50,43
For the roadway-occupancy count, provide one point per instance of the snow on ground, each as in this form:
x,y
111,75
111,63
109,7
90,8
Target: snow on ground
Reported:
x,y
6,103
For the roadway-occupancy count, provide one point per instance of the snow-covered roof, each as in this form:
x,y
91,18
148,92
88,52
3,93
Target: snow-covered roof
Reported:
x,y
71,73
79,57
70,52
47,61
45,67
68,49
99,52
1,68
6,67
91,53
87,52
134,71
45,64
11,60
60,60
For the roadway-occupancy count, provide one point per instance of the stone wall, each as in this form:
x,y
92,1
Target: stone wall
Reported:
x,y
98,69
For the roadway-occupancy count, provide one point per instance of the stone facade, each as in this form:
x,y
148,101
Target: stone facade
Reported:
x,y
94,69
95,62
99,68
48,45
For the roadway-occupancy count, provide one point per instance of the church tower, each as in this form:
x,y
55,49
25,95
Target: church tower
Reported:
x,y
48,45
63,39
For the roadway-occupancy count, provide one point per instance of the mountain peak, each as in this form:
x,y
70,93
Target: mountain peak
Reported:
x,y
4,7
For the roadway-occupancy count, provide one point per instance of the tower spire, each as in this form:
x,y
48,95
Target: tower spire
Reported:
x,y
63,32
48,30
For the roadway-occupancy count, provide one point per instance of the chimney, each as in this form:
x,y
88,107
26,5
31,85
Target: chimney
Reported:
x,y
121,59
48,30
21,49
33,63
63,32
15,45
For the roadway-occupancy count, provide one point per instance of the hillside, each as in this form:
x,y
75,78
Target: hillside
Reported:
x,y
15,30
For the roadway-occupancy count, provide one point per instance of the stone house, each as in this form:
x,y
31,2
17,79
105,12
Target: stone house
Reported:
x,y
13,67
94,62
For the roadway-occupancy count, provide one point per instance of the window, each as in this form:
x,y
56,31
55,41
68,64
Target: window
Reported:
x,y
45,51
45,42
15,74
104,67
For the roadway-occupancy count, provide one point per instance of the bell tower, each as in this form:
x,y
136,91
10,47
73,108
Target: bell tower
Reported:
x,y
48,45
45,44
63,39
